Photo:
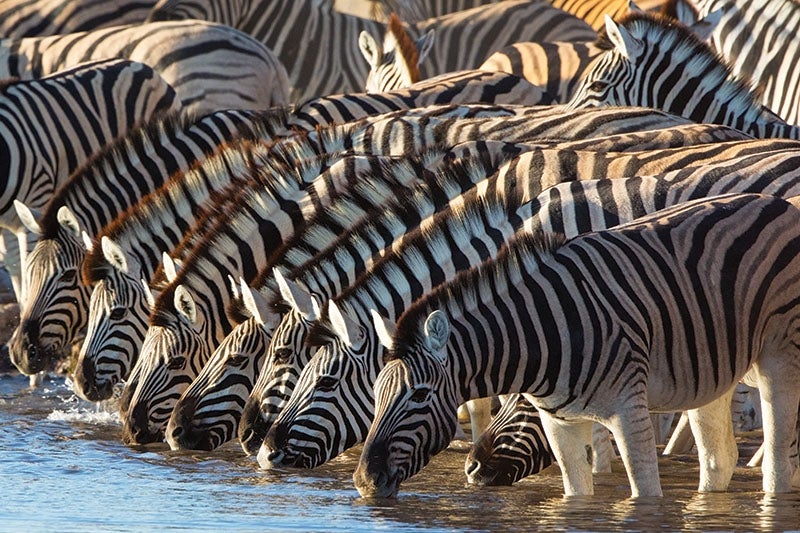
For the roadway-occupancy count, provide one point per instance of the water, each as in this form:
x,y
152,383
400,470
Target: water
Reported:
x,y
63,467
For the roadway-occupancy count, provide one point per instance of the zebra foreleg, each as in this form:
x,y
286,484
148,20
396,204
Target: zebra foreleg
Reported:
x,y
633,433
480,415
712,428
571,445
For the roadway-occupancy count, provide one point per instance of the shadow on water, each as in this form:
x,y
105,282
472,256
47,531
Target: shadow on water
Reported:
x,y
64,468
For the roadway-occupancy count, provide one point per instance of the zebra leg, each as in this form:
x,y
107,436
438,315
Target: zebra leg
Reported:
x,y
681,440
571,444
480,415
10,253
633,433
777,379
712,427
602,449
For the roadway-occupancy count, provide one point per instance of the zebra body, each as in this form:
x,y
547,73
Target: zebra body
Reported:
x,y
25,18
555,67
329,60
653,62
50,126
210,66
594,11
618,361
110,182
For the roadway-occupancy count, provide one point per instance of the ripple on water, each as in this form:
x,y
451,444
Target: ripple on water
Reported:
x,y
63,467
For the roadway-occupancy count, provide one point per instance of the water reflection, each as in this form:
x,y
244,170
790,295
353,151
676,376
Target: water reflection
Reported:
x,y
54,451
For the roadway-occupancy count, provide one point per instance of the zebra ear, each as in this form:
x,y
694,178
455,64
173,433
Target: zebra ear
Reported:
x,y
369,48
87,241
114,254
633,7
170,269
345,327
299,298
68,220
184,304
148,294
29,217
424,45
628,45
437,331
384,329
705,26
255,303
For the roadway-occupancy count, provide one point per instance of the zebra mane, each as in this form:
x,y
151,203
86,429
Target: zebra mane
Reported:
x,y
133,142
404,46
278,178
143,215
665,33
471,286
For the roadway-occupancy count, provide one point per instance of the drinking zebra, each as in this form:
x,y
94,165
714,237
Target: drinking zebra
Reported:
x,y
573,324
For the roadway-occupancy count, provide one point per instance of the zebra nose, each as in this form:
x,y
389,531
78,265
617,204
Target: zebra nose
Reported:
x,y
277,437
472,467
252,428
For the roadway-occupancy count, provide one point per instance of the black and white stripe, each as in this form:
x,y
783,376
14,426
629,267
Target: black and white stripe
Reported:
x,y
37,18
667,312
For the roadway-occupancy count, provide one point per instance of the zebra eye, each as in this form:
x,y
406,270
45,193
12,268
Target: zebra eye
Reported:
x,y
68,276
420,394
327,383
237,360
117,313
176,363
282,355
597,86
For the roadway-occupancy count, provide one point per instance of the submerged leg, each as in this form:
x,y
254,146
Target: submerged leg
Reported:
x,y
633,433
716,447
571,444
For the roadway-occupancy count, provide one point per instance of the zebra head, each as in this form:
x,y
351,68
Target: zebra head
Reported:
x,y
173,354
288,353
396,64
55,310
208,413
118,312
415,409
331,406
512,447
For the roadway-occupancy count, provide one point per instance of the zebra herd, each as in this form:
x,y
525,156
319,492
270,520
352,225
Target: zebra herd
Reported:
x,y
586,208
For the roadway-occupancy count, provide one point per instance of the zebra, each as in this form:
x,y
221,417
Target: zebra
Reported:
x,y
330,61
757,39
415,11
355,227
128,250
112,180
395,64
512,447
582,206
93,103
536,292
25,18
651,61
210,66
310,447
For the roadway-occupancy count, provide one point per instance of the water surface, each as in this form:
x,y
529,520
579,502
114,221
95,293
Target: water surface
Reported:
x,y
63,467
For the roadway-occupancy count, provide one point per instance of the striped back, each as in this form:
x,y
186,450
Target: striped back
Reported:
x,y
26,18
593,12
210,66
55,309
608,296
653,62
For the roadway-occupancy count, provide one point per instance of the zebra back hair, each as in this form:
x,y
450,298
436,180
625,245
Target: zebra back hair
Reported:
x,y
466,286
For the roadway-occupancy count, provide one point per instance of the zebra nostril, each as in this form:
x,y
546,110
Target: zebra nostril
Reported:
x,y
177,432
275,456
472,467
